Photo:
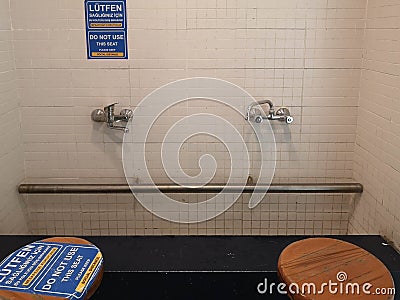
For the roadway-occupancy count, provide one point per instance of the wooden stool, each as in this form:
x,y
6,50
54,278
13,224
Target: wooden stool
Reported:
x,y
321,261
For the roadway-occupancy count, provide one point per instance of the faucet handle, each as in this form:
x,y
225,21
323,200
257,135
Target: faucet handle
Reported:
x,y
127,113
110,106
284,113
289,119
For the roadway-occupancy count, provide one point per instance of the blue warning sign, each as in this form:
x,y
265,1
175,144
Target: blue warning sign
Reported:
x,y
53,269
106,29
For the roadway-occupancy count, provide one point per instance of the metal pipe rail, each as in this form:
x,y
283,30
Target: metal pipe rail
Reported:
x,y
278,188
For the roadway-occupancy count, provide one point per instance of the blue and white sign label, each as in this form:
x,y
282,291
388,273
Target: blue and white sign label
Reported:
x,y
52,269
106,30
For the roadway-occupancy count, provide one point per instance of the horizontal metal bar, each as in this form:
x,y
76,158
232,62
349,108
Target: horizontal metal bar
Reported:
x,y
212,188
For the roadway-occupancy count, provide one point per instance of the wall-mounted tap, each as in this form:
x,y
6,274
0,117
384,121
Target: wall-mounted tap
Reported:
x,y
254,113
107,115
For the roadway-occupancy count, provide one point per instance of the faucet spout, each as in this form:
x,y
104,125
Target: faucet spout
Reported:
x,y
266,101
269,102
282,114
110,118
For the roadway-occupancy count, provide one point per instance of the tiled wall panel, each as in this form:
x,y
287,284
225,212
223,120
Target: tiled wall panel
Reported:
x,y
12,210
117,214
302,54
377,154
305,55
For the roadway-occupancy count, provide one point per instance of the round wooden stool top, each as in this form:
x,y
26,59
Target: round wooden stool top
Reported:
x,y
325,261
88,288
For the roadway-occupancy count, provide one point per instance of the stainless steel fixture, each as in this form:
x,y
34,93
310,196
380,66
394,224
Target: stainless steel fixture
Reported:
x,y
101,188
107,115
255,113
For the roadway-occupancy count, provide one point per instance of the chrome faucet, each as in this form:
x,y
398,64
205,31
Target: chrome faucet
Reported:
x,y
107,115
255,114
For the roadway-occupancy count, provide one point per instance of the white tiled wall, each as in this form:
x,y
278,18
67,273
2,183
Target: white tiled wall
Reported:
x,y
12,216
308,55
377,149
302,54
118,214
